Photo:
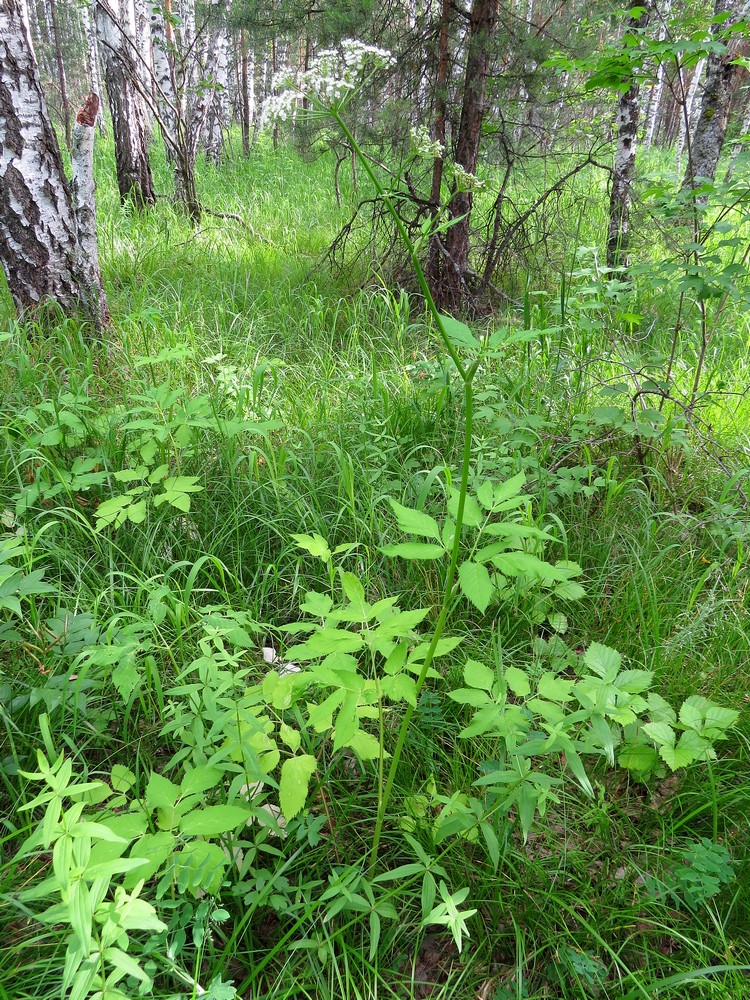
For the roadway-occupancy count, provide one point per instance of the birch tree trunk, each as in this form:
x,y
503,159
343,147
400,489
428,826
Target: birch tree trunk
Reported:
x,y
652,117
218,105
618,233
39,247
116,32
60,71
707,138
687,108
92,57
162,56
451,288
84,207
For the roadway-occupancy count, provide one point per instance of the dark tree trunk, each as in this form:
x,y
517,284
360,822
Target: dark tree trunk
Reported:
x,y
134,178
434,256
618,233
39,247
707,139
450,291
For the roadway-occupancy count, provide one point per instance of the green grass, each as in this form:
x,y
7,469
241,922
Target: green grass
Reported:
x,y
339,398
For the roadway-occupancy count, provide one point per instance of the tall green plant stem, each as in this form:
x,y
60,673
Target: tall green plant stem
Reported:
x,y
467,376
385,793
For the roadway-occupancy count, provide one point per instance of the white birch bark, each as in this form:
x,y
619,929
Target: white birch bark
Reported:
x,y
618,233
658,88
217,65
707,138
742,145
116,31
686,114
83,190
39,248
162,56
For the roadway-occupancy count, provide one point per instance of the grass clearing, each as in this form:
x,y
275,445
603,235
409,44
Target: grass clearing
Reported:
x,y
159,480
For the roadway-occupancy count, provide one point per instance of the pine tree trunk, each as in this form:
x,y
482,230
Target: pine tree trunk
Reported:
x,y
618,233
433,267
134,180
39,247
451,290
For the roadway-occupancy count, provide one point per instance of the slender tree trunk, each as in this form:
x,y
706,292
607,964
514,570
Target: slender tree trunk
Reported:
x,y
92,57
84,206
618,234
60,72
451,291
740,147
164,81
134,178
39,247
245,94
687,106
434,256
216,70
707,138
652,117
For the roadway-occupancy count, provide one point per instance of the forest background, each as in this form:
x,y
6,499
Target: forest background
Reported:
x,y
373,567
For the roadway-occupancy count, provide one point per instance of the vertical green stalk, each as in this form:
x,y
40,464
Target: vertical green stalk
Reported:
x,y
467,376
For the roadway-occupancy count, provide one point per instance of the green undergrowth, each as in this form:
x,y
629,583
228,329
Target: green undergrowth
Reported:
x,y
259,459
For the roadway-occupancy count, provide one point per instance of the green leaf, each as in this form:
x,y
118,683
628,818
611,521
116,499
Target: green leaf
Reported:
x,y
316,604
661,733
477,675
460,335
508,490
214,820
365,745
325,641
294,784
602,660
473,516
476,584
518,681
161,793
414,550
315,544
638,757
400,687
200,779
415,522
554,688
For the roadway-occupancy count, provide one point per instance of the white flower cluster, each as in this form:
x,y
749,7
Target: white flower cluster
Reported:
x,y
424,146
333,74
466,181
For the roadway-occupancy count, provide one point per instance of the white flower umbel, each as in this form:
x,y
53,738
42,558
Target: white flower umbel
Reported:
x,y
424,146
333,76
466,181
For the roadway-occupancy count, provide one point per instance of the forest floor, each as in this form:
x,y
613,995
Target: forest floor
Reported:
x,y
231,462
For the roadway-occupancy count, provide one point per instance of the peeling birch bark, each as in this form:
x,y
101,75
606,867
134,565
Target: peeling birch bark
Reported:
x,y
618,232
707,138
84,206
114,27
218,108
39,247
